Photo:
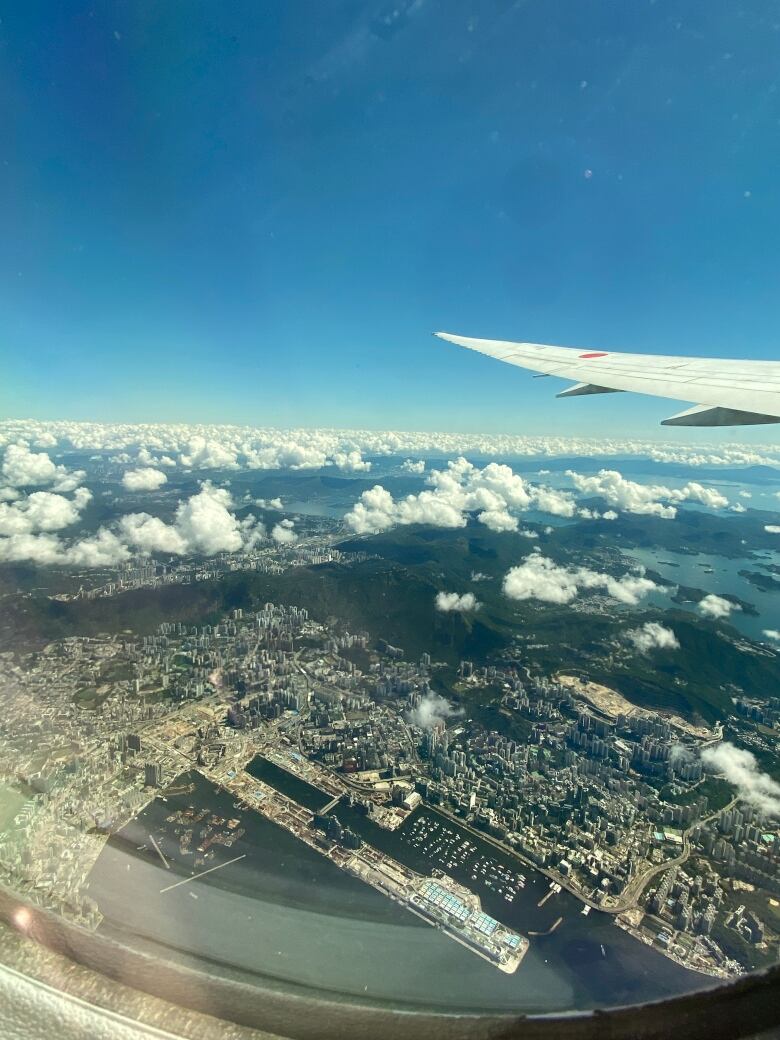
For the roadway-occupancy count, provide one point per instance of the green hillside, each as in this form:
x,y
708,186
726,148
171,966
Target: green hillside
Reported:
x,y
392,598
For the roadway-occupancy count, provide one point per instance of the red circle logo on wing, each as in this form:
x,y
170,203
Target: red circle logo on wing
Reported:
x,y
595,353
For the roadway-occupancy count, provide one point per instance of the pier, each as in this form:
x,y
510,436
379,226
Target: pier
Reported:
x,y
546,896
448,906
549,931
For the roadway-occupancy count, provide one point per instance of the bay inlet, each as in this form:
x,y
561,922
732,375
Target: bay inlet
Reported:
x,y
280,912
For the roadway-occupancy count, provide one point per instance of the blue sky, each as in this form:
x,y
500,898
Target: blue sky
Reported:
x,y
258,213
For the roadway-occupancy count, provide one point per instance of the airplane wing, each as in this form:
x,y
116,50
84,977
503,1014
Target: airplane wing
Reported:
x,y
727,393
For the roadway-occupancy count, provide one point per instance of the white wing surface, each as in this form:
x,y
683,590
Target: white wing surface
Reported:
x,y
727,393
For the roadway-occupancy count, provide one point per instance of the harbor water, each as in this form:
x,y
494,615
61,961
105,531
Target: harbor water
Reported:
x,y
280,912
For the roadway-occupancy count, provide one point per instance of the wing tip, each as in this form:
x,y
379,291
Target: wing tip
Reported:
x,y
459,341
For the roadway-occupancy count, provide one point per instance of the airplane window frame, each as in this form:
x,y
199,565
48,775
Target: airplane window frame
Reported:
x,y
744,1007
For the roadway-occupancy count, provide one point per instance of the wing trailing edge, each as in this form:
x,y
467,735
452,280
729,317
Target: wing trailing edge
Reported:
x,y
728,392
707,415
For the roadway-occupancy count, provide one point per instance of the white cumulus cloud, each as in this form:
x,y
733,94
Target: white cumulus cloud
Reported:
x,y
647,499
492,493
205,453
414,467
203,524
206,523
284,453
24,468
716,606
149,534
741,769
652,636
43,549
203,446
540,578
431,711
283,533
42,511
103,549
144,479
449,602
351,462
498,520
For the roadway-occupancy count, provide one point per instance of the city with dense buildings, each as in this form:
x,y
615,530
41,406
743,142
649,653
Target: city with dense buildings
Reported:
x,y
612,802
145,574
